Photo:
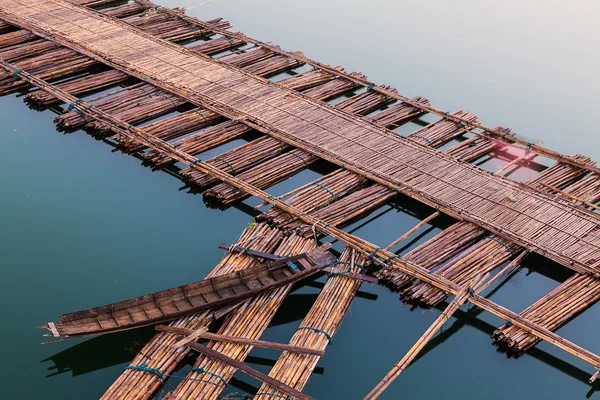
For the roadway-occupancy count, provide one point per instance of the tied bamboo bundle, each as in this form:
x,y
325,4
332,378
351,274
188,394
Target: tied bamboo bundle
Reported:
x,y
80,86
33,49
126,103
171,128
315,195
239,159
560,175
248,57
433,253
552,311
262,176
159,352
587,189
345,210
196,143
215,46
399,114
325,318
307,80
248,321
333,88
366,102
443,131
478,146
272,66
479,259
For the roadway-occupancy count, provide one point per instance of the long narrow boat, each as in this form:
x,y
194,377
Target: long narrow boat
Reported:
x,y
198,296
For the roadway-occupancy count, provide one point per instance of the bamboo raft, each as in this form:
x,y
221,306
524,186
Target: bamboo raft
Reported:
x,y
329,115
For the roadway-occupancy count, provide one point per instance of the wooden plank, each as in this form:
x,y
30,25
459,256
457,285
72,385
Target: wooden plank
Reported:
x,y
249,371
250,342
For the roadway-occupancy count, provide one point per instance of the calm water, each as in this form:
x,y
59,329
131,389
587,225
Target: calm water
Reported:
x,y
81,225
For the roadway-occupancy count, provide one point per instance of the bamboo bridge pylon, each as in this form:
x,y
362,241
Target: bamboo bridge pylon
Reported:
x,y
230,87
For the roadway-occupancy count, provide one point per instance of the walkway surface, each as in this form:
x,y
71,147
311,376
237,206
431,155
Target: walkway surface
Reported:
x,y
547,225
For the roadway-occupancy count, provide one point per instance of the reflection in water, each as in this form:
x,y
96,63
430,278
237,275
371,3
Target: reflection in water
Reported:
x,y
100,352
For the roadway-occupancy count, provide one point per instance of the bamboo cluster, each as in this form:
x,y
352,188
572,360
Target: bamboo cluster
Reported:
x,y
442,131
263,176
315,195
399,114
552,311
480,258
366,102
478,146
433,253
326,314
345,210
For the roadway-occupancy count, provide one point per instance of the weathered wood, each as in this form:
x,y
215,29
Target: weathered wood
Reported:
x,y
191,298
249,371
250,342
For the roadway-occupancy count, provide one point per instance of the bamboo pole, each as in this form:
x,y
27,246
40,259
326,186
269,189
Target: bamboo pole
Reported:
x,y
454,305
413,230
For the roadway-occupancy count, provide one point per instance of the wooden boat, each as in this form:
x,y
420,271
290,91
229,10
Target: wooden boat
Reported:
x,y
198,296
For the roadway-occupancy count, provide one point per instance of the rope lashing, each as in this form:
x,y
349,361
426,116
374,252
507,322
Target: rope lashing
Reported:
x,y
145,91
471,292
343,166
317,330
326,188
422,137
234,190
300,157
203,371
392,257
229,40
16,72
145,368
362,267
509,322
129,127
72,105
370,87
170,99
373,254
228,164
285,397
196,161
200,113
500,242
25,35
81,114
321,231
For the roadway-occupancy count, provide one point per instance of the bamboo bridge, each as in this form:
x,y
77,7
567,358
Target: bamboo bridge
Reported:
x,y
120,67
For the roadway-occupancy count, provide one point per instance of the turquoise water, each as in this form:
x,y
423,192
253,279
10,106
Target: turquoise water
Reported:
x,y
81,225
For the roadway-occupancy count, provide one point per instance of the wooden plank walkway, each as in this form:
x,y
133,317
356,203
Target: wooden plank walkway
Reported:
x,y
556,229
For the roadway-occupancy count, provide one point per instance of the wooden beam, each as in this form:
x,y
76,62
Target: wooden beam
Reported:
x,y
290,391
231,339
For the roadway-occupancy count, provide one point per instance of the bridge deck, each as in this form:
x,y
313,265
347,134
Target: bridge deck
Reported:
x,y
544,223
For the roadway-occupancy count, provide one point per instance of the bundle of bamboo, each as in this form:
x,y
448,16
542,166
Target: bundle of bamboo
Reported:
x,y
345,210
135,104
323,320
478,146
199,142
552,311
79,86
442,131
240,159
433,253
333,88
366,102
272,66
479,259
399,114
560,175
215,46
315,195
263,175
250,56
307,80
